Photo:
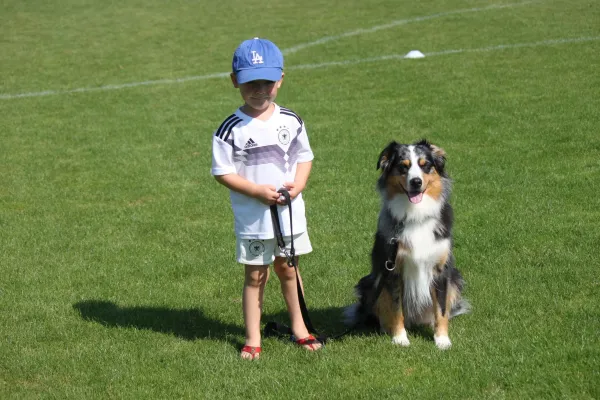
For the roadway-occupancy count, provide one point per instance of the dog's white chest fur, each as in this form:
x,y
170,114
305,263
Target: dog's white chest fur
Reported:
x,y
419,250
423,249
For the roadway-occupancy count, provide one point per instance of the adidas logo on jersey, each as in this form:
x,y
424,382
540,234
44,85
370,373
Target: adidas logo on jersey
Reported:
x,y
250,143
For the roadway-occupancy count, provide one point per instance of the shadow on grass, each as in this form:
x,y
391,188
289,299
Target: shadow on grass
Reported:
x,y
188,324
192,324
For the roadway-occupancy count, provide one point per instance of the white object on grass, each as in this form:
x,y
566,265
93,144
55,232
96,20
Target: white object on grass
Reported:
x,y
414,54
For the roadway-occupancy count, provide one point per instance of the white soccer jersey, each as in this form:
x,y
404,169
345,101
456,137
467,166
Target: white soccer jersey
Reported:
x,y
263,152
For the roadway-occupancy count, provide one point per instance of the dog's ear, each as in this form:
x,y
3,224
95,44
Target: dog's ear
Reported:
x,y
387,156
439,158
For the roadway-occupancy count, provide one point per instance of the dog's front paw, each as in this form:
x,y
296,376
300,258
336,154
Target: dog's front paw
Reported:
x,y
442,342
401,339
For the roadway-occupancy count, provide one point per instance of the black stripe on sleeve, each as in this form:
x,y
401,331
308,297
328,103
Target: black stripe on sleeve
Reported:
x,y
219,132
292,114
231,128
227,127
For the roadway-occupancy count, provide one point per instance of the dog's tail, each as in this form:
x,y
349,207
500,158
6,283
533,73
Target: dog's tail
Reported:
x,y
360,313
460,305
352,315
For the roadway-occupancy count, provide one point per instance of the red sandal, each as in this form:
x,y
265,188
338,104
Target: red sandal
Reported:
x,y
309,341
253,351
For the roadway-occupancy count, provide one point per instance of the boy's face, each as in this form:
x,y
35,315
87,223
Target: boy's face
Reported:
x,y
259,94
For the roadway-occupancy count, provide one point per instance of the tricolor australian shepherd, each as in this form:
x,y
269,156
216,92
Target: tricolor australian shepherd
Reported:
x,y
413,279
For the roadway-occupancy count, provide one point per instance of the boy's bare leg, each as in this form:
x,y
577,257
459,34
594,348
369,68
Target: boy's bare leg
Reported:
x,y
256,277
287,278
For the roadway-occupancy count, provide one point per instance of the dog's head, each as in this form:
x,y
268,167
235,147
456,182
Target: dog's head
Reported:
x,y
413,169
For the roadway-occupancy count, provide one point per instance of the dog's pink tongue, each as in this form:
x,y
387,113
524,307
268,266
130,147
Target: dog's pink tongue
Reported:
x,y
415,199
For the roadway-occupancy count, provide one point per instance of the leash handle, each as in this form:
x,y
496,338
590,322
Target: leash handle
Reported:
x,y
291,256
288,201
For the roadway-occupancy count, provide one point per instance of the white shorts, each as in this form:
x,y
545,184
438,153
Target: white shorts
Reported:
x,y
264,251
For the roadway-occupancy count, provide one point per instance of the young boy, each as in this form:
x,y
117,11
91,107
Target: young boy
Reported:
x,y
257,150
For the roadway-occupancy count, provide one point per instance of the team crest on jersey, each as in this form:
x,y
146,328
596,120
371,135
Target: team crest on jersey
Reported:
x,y
256,247
284,135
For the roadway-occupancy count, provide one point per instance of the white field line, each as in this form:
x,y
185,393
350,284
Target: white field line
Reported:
x,y
446,52
399,22
115,87
304,66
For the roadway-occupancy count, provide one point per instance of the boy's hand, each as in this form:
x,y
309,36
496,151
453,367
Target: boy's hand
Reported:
x,y
294,190
267,194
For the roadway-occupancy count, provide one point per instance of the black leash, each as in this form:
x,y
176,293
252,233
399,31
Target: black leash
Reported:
x,y
273,328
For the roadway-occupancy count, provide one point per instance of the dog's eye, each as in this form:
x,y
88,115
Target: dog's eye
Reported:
x,y
426,166
400,169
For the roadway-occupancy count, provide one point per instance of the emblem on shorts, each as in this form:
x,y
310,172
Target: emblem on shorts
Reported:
x,y
256,248
283,134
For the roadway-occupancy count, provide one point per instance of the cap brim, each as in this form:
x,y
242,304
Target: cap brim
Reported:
x,y
254,74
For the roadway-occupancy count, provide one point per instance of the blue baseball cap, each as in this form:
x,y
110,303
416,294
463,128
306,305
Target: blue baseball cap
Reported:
x,y
256,59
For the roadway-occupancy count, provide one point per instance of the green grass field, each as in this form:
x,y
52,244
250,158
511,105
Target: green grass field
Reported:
x,y
117,270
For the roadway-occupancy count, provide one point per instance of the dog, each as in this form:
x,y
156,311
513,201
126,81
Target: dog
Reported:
x,y
413,279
